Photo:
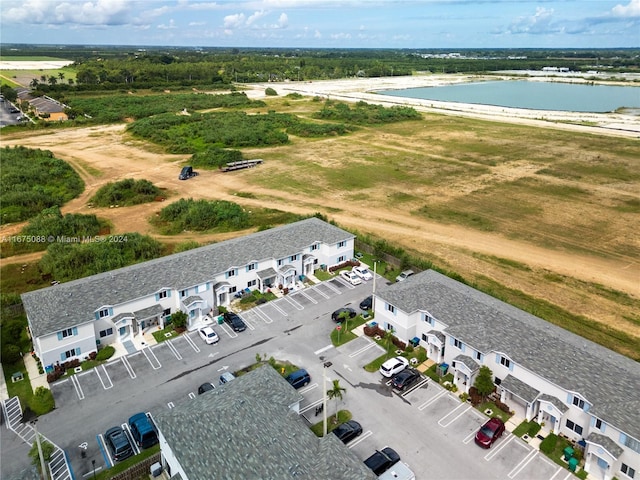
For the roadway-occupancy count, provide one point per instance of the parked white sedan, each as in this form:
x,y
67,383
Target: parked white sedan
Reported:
x,y
351,277
362,272
209,335
393,366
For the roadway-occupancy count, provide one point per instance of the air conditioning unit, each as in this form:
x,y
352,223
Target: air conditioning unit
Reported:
x,y
156,469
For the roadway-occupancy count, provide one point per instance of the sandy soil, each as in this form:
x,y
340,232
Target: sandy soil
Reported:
x,y
104,154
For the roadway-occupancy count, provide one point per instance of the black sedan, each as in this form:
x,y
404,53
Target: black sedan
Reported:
x,y
234,321
367,303
342,313
403,380
348,431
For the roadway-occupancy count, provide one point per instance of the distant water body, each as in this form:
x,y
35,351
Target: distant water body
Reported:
x,y
531,95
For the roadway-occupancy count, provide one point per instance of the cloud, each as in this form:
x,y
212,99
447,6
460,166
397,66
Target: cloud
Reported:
x,y
97,12
539,23
627,11
171,25
256,16
340,36
234,21
283,21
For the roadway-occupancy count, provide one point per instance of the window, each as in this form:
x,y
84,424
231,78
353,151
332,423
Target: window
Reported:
x,y
342,244
67,333
341,258
231,273
315,246
478,356
391,308
293,258
183,293
578,402
280,262
162,294
70,353
573,426
457,343
106,333
103,313
599,425
429,319
251,283
627,470
232,289
251,266
505,362
630,442
424,337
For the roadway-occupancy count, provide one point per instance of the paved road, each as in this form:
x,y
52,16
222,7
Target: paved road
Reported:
x,y
429,427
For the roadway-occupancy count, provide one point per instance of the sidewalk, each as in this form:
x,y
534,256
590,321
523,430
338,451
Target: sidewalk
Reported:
x,y
37,379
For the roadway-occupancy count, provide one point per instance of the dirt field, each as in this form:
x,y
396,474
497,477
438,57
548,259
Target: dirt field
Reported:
x,y
580,282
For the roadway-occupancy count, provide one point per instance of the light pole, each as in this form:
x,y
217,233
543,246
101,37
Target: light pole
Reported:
x,y
93,464
40,455
324,397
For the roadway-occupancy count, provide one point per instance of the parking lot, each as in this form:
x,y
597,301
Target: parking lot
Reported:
x,y
428,426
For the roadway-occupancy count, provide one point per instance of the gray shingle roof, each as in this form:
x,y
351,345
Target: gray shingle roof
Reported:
x,y
151,311
471,364
519,388
608,444
244,429
556,402
73,303
563,358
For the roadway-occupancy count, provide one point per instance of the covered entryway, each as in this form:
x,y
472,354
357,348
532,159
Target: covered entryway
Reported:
x,y
601,453
550,412
519,396
147,318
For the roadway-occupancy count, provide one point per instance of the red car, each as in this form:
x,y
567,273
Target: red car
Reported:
x,y
490,432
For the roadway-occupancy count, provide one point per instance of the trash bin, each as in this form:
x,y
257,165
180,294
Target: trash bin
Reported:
x,y
573,463
220,319
568,453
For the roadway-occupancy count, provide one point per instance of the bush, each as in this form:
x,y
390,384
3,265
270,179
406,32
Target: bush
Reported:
x,y
105,353
126,192
533,429
179,319
270,92
42,401
10,354
548,445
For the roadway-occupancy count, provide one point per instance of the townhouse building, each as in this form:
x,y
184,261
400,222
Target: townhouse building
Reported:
x,y
573,386
71,320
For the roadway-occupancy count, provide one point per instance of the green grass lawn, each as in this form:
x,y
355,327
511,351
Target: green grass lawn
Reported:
x,y
343,416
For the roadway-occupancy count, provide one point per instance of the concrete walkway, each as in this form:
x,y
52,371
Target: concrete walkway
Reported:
x,y
37,379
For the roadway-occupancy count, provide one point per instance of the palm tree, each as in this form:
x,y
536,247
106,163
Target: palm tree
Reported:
x,y
61,76
336,392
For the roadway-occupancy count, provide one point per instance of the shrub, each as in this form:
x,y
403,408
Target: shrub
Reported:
x,y
125,192
10,354
179,319
548,445
270,92
533,429
105,353
42,401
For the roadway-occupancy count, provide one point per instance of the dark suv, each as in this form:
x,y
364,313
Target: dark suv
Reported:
x,y
404,379
234,321
382,460
118,444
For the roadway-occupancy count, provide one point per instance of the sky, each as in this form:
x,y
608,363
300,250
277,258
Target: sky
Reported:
x,y
419,24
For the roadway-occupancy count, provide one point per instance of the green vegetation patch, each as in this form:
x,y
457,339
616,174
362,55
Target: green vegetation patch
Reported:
x,y
119,107
202,215
363,113
32,180
215,158
126,192
51,226
68,261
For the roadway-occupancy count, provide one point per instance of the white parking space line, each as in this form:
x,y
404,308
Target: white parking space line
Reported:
x,y
328,284
560,469
363,349
309,388
311,406
101,440
432,400
275,305
76,384
293,302
493,452
192,343
134,445
323,349
523,463
108,385
456,417
362,437
128,367
301,292
229,331
320,292
469,437
157,363
173,349
345,283
248,323
415,387
261,315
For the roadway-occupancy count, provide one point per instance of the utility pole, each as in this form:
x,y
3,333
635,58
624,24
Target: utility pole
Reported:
x,y
40,455
324,397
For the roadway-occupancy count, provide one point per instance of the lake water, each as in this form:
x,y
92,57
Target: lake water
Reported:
x,y
531,95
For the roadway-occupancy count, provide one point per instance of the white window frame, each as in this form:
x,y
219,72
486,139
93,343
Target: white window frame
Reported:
x,y
162,294
505,362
